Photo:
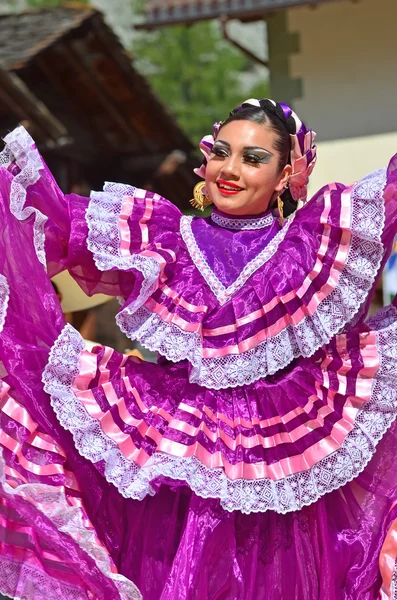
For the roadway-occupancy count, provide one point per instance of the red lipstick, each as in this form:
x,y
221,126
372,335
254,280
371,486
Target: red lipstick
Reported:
x,y
228,188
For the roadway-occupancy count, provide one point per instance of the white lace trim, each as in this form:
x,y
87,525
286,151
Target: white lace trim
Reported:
x,y
271,355
275,353
20,148
104,239
393,586
382,318
68,519
157,335
218,289
4,297
289,494
5,157
243,224
33,583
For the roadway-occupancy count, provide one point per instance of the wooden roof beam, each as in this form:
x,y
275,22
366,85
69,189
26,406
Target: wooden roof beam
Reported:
x,y
163,116
224,21
20,100
77,58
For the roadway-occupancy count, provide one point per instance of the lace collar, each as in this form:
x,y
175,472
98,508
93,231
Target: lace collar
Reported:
x,y
242,222
222,293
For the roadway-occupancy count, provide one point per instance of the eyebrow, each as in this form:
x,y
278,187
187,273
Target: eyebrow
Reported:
x,y
245,147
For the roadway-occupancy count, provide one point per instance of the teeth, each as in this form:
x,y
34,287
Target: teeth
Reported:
x,y
227,187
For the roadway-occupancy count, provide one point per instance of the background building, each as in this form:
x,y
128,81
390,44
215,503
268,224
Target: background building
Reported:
x,y
66,77
333,60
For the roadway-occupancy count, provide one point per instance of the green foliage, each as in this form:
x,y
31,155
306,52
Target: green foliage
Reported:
x,y
195,72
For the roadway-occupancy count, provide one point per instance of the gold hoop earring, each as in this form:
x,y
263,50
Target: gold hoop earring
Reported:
x,y
280,206
200,200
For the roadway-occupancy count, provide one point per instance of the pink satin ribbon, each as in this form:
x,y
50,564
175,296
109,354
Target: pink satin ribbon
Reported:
x,y
282,468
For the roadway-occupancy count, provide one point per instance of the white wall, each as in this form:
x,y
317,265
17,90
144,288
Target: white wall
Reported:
x,y
348,160
347,63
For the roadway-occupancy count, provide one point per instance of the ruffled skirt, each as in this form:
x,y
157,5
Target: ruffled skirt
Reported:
x,y
116,471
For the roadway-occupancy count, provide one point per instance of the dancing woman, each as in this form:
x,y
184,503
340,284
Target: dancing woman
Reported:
x,y
256,459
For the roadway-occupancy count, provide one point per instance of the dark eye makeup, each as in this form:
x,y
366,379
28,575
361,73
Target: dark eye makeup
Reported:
x,y
251,155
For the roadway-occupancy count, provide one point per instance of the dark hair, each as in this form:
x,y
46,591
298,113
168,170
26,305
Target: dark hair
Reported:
x,y
273,117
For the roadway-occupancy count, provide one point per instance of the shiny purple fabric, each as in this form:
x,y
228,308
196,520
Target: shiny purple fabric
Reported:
x,y
326,551
165,386
225,251
34,319
228,251
176,545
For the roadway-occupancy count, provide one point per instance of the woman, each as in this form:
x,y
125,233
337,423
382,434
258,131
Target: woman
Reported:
x,y
256,459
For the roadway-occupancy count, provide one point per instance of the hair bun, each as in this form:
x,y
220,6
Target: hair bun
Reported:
x,y
267,105
280,113
291,125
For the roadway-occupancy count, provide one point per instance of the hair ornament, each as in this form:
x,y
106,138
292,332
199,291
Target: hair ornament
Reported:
x,y
303,150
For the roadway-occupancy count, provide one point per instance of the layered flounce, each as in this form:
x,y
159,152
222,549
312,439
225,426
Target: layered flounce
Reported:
x,y
305,286
276,445
20,147
147,429
49,548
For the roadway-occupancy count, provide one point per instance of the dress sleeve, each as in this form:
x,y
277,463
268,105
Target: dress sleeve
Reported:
x,y
130,230
390,199
108,242
365,214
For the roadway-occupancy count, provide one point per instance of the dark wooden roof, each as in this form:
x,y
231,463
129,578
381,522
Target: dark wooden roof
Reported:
x,y
171,12
74,65
23,36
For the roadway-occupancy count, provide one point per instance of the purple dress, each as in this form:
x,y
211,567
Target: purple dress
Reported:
x,y
256,459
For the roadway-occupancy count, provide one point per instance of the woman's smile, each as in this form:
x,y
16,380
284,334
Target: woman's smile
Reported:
x,y
228,188
242,174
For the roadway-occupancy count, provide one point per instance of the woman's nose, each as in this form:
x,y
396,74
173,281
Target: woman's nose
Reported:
x,y
231,167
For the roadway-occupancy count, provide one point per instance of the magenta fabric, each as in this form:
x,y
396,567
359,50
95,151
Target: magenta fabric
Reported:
x,y
228,251
33,318
245,425
175,544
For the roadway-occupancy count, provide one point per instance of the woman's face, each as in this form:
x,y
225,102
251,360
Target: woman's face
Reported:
x,y
242,173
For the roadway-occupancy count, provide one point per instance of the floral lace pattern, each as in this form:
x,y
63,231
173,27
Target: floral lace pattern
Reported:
x,y
20,147
393,587
382,318
355,281
224,294
275,353
243,224
4,297
104,240
288,494
68,519
34,584
5,157
157,335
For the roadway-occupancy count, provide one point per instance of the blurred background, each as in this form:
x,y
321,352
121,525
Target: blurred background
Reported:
x,y
123,90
